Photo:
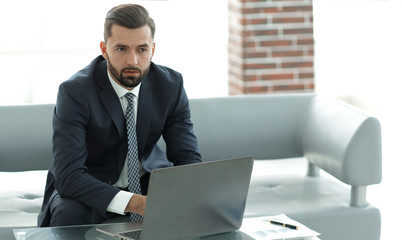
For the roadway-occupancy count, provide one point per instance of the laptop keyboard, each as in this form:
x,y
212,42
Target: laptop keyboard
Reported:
x,y
136,234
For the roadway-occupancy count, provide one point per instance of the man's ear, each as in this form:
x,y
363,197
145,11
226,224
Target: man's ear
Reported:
x,y
153,50
103,50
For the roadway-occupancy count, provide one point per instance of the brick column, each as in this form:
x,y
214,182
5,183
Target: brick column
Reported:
x,y
271,46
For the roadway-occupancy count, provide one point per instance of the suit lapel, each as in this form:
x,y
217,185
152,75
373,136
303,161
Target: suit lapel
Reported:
x,y
111,102
145,103
109,99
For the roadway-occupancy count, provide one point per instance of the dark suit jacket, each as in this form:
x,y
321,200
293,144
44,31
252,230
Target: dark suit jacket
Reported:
x,y
90,139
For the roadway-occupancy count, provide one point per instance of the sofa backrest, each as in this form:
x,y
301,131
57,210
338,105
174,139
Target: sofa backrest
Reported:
x,y
331,134
263,126
25,137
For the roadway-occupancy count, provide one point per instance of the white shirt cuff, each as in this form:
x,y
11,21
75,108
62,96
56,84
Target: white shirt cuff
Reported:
x,y
119,202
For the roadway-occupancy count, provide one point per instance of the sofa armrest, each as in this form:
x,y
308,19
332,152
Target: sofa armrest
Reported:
x,y
343,141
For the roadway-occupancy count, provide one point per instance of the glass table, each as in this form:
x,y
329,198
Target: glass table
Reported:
x,y
89,232
85,232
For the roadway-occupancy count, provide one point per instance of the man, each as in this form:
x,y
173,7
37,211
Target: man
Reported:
x,y
89,178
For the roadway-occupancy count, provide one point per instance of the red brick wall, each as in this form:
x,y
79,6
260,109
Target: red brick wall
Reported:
x,y
271,46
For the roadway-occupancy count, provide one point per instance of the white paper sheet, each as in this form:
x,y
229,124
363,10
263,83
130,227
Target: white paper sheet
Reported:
x,y
261,228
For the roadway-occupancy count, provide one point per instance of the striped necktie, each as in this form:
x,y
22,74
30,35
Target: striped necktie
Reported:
x,y
133,161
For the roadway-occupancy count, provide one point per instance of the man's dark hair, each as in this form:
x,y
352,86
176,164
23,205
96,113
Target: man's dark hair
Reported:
x,y
129,16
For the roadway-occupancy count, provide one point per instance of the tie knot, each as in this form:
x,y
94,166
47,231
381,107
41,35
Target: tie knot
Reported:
x,y
130,97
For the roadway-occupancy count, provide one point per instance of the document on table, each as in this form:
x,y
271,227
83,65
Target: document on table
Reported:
x,y
275,227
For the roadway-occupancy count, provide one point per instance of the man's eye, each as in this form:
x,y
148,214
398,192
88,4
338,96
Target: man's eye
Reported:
x,y
142,50
120,49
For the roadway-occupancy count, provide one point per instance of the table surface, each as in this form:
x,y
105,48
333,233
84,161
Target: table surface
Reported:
x,y
89,232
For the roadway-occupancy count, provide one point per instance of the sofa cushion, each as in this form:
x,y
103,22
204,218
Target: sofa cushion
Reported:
x,y
21,196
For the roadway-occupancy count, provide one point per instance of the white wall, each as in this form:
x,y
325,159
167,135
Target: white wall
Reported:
x,y
358,58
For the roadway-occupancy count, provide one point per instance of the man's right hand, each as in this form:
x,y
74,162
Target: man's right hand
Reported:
x,y
137,204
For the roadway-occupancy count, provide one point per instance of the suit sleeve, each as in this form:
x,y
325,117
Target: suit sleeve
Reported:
x,y
181,142
70,152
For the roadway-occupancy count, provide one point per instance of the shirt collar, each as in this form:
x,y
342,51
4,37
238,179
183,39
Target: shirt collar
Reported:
x,y
121,91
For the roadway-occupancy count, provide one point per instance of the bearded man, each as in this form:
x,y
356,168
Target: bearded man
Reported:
x,y
94,153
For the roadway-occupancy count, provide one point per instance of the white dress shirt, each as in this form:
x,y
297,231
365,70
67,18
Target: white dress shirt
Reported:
x,y
120,201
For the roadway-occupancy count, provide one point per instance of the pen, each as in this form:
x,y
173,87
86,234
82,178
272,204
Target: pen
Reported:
x,y
283,224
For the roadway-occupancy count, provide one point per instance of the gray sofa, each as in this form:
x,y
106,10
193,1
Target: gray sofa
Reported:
x,y
315,157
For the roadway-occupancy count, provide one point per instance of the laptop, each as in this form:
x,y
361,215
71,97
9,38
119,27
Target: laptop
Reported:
x,y
191,201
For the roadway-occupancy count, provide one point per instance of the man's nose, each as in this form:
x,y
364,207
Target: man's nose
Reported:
x,y
132,58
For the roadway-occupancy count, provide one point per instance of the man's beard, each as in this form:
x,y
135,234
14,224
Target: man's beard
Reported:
x,y
127,81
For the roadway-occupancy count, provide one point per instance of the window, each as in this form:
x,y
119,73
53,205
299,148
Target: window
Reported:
x,y
45,42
